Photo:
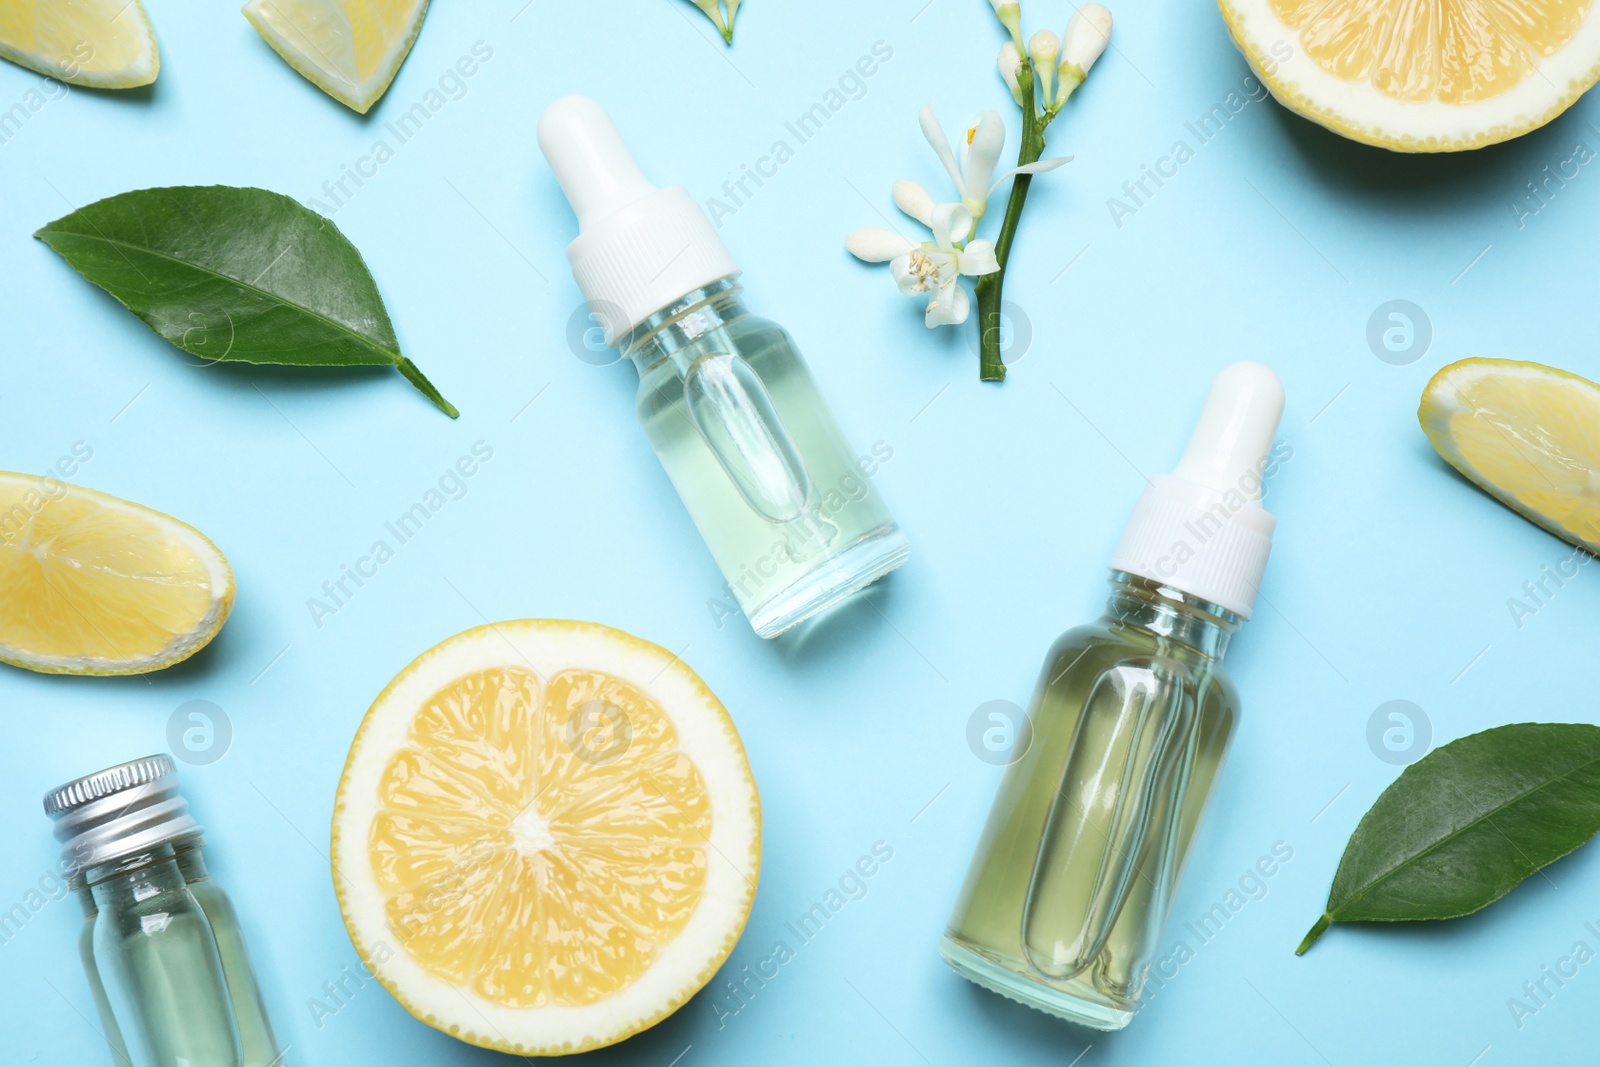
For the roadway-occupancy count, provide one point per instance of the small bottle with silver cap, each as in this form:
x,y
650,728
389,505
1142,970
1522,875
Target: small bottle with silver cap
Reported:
x,y
786,506
161,945
1066,897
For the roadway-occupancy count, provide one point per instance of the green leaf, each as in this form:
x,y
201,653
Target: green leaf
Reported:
x,y
241,275
1463,825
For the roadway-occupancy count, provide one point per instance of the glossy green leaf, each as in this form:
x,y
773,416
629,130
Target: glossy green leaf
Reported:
x,y
1463,825
242,275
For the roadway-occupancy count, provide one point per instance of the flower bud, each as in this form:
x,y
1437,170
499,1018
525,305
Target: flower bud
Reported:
x,y
1088,33
1043,48
1010,63
713,11
1010,15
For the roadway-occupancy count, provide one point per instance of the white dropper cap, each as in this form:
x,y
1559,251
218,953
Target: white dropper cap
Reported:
x,y
638,248
1202,529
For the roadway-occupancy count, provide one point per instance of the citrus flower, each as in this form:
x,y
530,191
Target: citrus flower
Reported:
x,y
1040,72
931,267
981,143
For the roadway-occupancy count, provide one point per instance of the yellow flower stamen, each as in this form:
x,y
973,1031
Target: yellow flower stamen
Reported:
x,y
925,270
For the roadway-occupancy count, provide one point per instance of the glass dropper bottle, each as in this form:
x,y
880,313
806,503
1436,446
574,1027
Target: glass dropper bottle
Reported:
x,y
786,505
1073,879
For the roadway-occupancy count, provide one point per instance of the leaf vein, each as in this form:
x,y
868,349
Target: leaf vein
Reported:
x,y
1441,842
359,337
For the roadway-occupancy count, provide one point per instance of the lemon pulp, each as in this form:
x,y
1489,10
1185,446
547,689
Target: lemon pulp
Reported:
x,y
547,836
540,843
1453,51
93,584
350,49
105,43
1527,433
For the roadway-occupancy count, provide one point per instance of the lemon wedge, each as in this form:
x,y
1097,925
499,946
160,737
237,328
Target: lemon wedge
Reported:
x,y
91,584
1527,434
546,837
1421,75
350,49
108,44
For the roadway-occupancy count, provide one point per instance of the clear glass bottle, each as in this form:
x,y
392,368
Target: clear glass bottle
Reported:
x,y
79,885
783,502
258,1047
1069,889
786,506
1073,879
156,970
157,956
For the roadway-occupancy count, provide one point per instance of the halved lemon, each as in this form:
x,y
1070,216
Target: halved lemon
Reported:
x,y
1421,75
92,584
108,44
1528,434
547,836
350,49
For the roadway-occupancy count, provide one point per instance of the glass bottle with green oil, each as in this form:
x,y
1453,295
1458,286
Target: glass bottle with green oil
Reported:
x,y
257,1045
787,507
160,945
1069,890
109,1029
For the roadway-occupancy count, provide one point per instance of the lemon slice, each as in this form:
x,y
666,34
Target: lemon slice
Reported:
x,y
108,44
90,584
546,837
1421,75
350,49
1528,434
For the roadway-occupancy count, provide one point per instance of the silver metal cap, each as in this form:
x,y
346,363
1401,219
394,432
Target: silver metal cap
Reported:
x,y
121,811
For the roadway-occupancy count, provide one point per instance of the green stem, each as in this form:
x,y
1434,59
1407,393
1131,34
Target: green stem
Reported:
x,y
425,387
991,368
1317,931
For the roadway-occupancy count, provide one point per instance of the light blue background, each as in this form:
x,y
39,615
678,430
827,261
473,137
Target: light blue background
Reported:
x,y
1276,242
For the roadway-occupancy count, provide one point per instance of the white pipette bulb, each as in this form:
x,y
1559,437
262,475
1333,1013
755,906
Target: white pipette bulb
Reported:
x,y
595,169
1234,435
1201,529
639,248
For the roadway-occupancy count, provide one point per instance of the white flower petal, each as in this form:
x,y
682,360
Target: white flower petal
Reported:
x,y
876,245
1010,63
940,144
984,140
914,200
961,305
977,258
904,280
950,223
948,307
1030,168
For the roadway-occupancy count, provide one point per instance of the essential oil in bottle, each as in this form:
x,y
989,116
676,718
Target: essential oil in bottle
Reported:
x,y
1069,890
160,946
258,1047
783,501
